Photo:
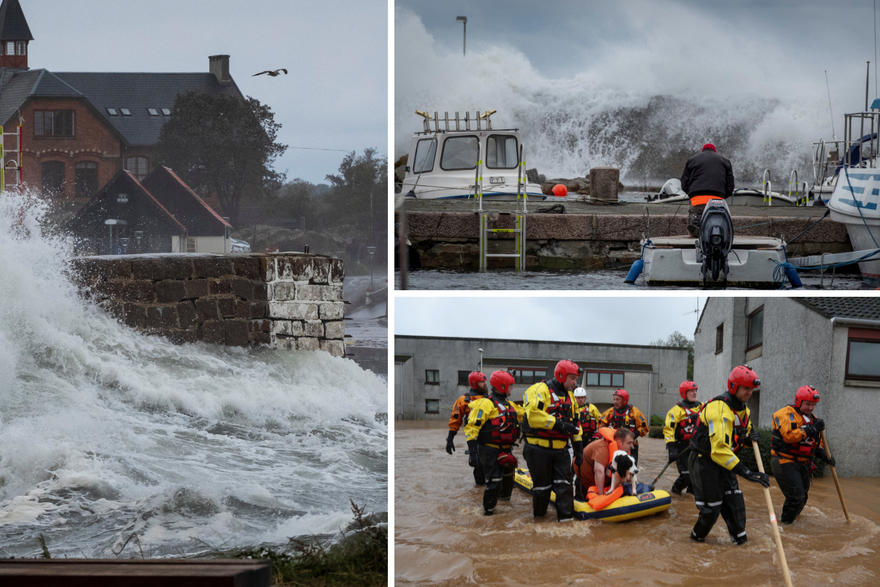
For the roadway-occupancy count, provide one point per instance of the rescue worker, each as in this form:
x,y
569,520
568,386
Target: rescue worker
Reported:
x,y
712,464
795,440
491,430
589,415
681,421
707,176
460,409
624,415
551,421
596,468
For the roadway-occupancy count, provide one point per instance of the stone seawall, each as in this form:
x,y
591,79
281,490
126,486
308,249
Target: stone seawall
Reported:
x,y
285,301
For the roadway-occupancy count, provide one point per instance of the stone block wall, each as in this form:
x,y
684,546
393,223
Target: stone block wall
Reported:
x,y
285,300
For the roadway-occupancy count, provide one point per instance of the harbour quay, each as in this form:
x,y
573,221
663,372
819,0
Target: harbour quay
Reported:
x,y
446,233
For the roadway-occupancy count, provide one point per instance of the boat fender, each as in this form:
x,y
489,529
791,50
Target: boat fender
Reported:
x,y
793,276
635,271
600,502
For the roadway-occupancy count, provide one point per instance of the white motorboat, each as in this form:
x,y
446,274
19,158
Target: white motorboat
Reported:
x,y
717,258
672,193
855,201
464,157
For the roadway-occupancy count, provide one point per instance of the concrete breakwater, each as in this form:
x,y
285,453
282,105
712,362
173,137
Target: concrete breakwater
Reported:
x,y
284,300
446,232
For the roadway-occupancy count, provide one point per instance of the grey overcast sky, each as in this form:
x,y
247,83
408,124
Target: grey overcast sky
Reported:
x,y
336,55
618,320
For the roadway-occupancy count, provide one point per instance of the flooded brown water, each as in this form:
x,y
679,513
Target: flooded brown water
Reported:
x,y
442,537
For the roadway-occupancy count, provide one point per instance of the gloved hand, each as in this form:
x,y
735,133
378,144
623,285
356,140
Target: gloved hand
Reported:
x,y
473,457
450,448
755,477
565,427
673,452
810,431
755,435
819,424
578,447
820,452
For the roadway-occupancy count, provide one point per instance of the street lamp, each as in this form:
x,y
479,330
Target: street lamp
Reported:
x,y
463,20
481,359
371,250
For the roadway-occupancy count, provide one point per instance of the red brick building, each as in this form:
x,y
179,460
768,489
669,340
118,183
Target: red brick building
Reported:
x,y
78,130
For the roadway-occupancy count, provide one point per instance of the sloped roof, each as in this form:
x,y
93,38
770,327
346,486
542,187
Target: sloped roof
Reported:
x,y
865,308
13,24
20,85
183,203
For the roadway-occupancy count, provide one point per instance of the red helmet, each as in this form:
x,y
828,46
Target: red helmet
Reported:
x,y
806,393
624,394
475,377
742,375
685,387
564,369
502,382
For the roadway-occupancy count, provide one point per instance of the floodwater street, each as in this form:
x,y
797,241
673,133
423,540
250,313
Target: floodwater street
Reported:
x,y
442,537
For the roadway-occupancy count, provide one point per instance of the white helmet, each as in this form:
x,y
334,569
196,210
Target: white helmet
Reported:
x,y
580,392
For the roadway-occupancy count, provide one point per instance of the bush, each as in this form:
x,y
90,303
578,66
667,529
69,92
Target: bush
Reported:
x,y
655,432
657,420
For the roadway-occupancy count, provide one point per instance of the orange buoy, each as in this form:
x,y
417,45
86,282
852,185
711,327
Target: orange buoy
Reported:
x,y
560,190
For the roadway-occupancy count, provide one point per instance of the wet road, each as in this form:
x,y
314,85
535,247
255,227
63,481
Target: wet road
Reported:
x,y
442,538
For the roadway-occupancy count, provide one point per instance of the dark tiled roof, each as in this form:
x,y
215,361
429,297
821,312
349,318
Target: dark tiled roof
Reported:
x,y
183,203
19,85
13,24
139,91
865,308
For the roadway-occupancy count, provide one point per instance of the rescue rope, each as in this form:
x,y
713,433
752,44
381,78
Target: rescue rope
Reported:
x,y
554,209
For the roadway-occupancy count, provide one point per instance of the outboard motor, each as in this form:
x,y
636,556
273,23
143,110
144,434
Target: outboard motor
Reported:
x,y
716,239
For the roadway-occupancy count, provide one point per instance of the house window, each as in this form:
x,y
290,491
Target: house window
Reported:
x,y
53,123
190,244
719,338
112,112
459,153
528,376
432,377
21,48
863,354
426,150
10,47
153,111
501,152
125,111
86,179
604,379
432,406
166,111
53,178
756,329
137,166
463,377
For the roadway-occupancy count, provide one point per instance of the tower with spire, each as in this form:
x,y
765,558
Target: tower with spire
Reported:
x,y
14,36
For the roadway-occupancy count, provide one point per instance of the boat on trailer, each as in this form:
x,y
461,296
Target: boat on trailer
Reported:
x,y
465,157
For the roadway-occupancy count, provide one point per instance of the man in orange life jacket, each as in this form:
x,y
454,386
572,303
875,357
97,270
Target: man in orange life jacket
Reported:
x,y
478,390
552,420
707,176
794,441
681,421
712,464
595,470
624,415
491,430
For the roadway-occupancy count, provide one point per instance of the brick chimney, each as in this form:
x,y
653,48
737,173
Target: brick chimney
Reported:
x,y
219,66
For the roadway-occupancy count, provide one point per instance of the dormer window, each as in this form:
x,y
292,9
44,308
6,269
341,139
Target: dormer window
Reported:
x,y
153,111
125,111
112,112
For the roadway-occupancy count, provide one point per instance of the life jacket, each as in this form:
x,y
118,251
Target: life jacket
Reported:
x,y
589,425
700,435
618,419
599,502
687,425
607,435
502,429
800,450
559,408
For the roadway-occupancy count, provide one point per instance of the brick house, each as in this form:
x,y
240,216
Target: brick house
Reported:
x,y
78,130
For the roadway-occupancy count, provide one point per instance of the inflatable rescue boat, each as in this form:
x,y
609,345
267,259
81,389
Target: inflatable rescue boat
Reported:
x,y
625,508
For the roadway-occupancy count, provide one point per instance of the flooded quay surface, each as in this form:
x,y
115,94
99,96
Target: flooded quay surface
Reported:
x,y
442,537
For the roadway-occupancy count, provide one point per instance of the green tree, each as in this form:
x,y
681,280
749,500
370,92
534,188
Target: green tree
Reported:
x,y
222,145
358,193
295,200
679,341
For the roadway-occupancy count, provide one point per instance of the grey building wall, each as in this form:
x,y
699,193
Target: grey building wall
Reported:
x,y
652,374
800,347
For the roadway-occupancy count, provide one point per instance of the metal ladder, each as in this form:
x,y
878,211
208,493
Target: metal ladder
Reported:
x,y
10,158
519,254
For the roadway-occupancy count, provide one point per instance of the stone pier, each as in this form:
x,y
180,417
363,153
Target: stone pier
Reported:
x,y
283,300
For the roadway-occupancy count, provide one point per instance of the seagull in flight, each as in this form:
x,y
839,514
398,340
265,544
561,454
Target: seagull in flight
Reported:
x,y
274,73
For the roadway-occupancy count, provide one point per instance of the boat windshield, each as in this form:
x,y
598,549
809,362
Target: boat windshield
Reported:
x,y
501,152
459,153
425,152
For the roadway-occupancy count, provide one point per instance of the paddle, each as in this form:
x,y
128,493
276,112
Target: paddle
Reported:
x,y
654,483
834,474
773,519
